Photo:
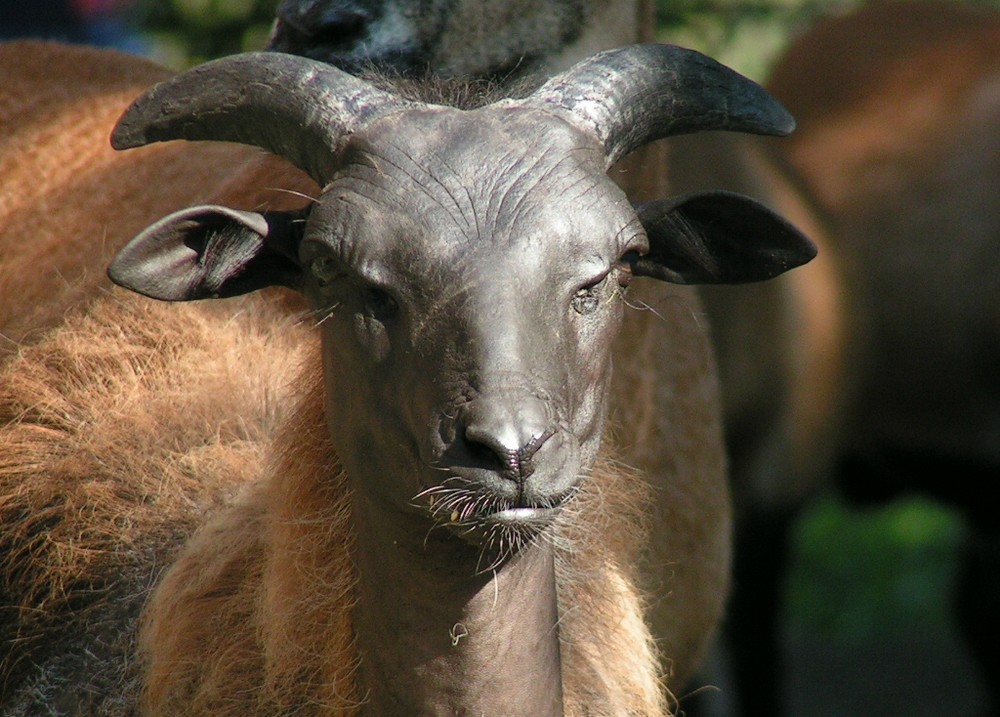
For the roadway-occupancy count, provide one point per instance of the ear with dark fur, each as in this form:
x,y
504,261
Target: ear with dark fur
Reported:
x,y
718,238
212,252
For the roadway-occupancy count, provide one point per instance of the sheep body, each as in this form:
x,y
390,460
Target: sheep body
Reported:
x,y
902,157
121,431
122,424
912,202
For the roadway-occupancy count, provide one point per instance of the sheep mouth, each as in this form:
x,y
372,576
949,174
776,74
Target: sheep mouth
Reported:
x,y
523,517
482,511
500,535
487,520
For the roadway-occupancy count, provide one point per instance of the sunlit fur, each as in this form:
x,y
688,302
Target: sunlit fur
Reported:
x,y
118,434
254,616
255,610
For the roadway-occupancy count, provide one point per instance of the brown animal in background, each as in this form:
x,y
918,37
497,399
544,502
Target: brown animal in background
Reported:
x,y
54,160
112,447
899,145
397,306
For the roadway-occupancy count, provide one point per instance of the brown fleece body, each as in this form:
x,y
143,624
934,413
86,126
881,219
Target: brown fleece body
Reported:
x,y
254,616
118,432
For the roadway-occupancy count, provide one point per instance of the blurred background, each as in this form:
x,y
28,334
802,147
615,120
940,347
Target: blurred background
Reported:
x,y
744,34
868,586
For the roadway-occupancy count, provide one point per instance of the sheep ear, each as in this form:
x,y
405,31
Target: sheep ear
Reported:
x,y
212,252
718,238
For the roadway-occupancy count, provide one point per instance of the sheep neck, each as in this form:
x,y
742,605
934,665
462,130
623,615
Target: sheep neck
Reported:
x,y
435,638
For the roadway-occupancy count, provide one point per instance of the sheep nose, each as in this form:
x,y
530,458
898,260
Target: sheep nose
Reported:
x,y
506,437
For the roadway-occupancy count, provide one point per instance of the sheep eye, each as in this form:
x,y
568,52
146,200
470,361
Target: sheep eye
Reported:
x,y
587,298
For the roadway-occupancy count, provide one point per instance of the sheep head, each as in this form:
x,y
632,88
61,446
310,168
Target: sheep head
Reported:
x,y
467,268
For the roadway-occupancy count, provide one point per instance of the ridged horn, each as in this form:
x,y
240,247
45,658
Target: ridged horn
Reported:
x,y
294,107
634,95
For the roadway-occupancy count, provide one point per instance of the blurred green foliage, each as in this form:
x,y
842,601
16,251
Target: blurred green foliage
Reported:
x,y
182,33
745,35
860,574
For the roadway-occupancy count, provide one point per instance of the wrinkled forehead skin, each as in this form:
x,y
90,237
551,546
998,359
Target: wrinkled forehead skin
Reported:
x,y
493,188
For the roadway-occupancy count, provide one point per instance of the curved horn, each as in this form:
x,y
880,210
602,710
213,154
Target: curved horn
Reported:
x,y
634,95
294,107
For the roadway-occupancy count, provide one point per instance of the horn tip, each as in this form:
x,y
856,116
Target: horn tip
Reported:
x,y
769,118
129,135
131,129
783,122
124,137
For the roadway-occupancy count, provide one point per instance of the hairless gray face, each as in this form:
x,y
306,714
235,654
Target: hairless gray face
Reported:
x,y
440,247
467,268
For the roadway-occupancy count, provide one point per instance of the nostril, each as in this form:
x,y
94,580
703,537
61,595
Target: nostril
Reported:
x,y
505,451
485,449
489,445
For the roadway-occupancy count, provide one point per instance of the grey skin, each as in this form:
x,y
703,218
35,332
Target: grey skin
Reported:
x,y
467,268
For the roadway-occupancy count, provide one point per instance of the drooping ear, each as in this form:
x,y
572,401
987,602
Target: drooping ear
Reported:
x,y
718,238
212,252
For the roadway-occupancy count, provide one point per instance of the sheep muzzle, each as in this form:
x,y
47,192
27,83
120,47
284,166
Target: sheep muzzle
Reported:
x,y
498,493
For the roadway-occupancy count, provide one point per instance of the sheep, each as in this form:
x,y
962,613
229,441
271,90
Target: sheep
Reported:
x,y
779,345
842,385
255,616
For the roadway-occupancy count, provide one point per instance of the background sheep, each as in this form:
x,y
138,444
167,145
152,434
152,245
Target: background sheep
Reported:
x,y
63,100
113,446
902,153
29,430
